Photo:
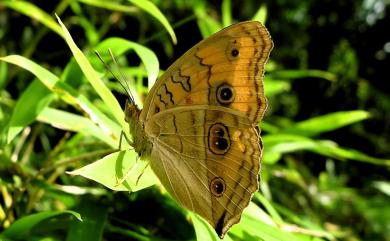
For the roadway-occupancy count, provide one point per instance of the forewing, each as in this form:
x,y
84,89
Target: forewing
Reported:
x,y
228,63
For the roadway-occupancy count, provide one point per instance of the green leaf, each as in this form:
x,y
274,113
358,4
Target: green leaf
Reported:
x,y
66,92
326,123
45,76
118,46
32,101
207,25
382,186
3,70
32,11
226,8
21,228
296,74
109,171
93,78
331,149
285,143
94,219
261,14
253,227
274,87
150,8
92,33
270,209
71,122
203,229
145,5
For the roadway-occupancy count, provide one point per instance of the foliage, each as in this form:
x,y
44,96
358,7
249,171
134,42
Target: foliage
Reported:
x,y
326,133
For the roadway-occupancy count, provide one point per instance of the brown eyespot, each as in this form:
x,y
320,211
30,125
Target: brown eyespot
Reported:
x,y
217,186
219,139
225,94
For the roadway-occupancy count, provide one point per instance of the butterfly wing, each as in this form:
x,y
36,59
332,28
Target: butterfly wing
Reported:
x,y
208,159
206,73
201,117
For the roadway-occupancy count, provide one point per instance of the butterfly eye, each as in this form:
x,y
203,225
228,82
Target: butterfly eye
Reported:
x,y
217,186
219,140
225,94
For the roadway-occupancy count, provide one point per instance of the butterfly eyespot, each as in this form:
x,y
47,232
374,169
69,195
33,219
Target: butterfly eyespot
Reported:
x,y
235,53
225,94
221,144
219,139
219,132
217,186
192,112
233,50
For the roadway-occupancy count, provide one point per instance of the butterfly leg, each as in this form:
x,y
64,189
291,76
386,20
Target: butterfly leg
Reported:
x,y
142,173
120,140
119,181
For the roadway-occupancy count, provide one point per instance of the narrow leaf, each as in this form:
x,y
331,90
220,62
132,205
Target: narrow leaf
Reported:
x,y
326,123
72,122
94,79
32,11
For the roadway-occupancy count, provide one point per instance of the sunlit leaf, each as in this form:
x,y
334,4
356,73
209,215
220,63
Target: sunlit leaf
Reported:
x,y
325,123
109,171
71,122
295,74
383,187
203,230
285,143
63,90
261,14
94,79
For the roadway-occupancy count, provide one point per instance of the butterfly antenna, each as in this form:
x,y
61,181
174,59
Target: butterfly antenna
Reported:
x,y
121,79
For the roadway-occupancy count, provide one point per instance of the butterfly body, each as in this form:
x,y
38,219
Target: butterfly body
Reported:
x,y
141,143
199,125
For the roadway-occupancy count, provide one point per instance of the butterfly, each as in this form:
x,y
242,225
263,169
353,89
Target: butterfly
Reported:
x,y
199,125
